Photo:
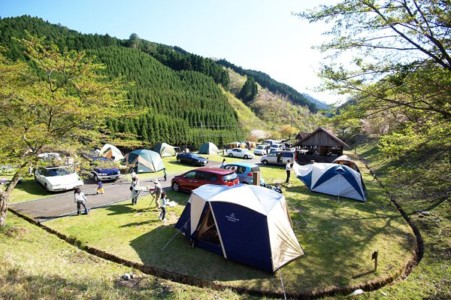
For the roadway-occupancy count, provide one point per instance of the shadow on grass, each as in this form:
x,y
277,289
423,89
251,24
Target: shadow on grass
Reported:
x,y
29,186
165,248
18,284
339,236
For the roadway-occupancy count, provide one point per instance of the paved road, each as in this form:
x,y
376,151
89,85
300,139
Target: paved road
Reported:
x,y
62,204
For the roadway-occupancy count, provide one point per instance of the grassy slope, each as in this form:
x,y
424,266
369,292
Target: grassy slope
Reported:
x,y
274,111
431,279
248,120
37,265
338,235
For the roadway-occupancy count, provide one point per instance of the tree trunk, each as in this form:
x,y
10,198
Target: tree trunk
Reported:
x,y
4,197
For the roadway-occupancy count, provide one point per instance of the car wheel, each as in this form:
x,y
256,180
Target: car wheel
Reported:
x,y
175,186
246,157
265,162
230,155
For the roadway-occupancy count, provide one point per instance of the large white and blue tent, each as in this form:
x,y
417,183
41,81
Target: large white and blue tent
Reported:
x,y
245,223
332,179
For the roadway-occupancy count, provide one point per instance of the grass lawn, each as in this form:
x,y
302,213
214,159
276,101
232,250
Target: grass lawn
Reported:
x,y
38,265
431,278
338,236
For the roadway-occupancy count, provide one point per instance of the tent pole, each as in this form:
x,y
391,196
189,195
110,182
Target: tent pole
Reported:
x,y
174,236
283,286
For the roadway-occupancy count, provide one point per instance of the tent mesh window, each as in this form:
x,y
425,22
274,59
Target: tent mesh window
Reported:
x,y
207,229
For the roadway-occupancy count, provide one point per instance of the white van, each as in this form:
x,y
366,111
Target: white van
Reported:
x,y
278,157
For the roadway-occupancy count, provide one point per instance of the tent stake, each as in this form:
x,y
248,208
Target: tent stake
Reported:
x,y
174,236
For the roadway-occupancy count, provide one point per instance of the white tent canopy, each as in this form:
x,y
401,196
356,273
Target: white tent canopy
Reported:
x,y
109,150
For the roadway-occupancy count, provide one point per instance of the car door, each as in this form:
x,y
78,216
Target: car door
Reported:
x,y
188,180
202,178
39,176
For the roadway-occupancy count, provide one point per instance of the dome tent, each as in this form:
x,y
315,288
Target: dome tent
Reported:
x,y
245,223
208,148
332,179
145,161
165,150
111,151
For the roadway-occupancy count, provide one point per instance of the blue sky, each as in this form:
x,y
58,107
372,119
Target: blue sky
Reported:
x,y
255,34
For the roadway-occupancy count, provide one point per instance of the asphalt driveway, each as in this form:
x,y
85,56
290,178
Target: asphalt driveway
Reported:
x,y
62,204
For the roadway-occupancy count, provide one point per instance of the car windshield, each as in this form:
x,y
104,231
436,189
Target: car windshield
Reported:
x,y
230,177
60,171
260,147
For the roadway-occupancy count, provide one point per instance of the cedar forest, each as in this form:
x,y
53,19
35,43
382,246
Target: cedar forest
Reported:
x,y
177,93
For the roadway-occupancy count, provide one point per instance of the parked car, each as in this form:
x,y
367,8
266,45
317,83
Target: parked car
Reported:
x,y
104,169
195,178
278,157
244,171
239,152
261,150
192,159
276,147
56,179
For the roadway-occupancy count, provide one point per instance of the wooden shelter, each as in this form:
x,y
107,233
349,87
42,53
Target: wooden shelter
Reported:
x,y
319,146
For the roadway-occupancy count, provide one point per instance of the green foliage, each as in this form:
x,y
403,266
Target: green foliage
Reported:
x,y
272,85
248,91
177,105
399,81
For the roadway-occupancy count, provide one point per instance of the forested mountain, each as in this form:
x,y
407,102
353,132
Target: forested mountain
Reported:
x,y
273,86
181,105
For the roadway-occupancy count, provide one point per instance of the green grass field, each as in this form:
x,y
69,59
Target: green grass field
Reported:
x,y
338,235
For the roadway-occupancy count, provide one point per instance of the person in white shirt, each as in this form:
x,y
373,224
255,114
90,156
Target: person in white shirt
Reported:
x,y
134,189
80,199
288,170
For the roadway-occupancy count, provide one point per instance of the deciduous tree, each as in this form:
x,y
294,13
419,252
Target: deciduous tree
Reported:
x,y
400,73
59,100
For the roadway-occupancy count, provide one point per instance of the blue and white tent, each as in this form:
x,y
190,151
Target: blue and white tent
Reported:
x,y
245,223
332,179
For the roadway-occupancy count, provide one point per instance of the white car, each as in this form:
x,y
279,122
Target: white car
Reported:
x,y
261,150
239,152
57,179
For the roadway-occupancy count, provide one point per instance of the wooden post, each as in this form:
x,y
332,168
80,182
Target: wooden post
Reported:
x,y
375,256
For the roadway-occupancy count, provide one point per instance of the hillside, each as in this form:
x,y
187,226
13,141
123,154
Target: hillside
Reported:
x,y
182,107
276,110
184,96
276,87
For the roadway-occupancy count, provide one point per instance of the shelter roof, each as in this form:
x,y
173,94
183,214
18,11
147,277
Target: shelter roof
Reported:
x,y
321,137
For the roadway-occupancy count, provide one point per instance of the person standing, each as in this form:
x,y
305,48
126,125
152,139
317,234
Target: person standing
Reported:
x,y
288,170
100,189
165,175
134,189
81,200
163,203
158,190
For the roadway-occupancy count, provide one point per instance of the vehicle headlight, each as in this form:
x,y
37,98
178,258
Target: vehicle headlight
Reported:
x,y
103,174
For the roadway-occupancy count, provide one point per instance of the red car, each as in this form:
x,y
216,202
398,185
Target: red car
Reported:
x,y
200,176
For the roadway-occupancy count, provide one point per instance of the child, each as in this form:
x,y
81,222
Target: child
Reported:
x,y
134,188
163,203
80,199
100,189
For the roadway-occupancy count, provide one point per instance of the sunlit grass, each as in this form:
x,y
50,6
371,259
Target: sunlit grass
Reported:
x,y
338,235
